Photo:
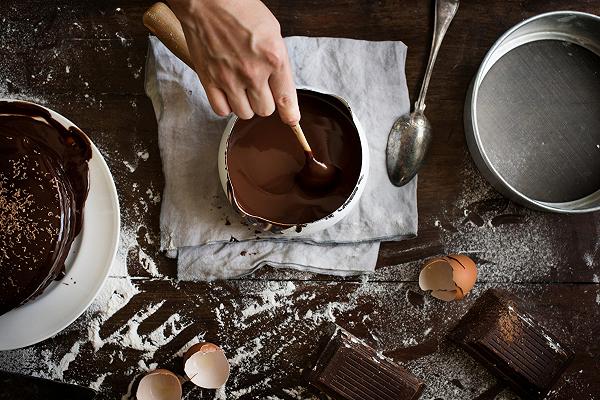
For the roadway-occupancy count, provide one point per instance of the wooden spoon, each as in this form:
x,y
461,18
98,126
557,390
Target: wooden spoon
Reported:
x,y
315,174
163,23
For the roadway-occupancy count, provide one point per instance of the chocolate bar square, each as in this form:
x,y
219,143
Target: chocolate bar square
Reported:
x,y
511,344
349,369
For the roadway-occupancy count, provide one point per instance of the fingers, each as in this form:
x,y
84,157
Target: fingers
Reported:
x,y
253,90
218,100
284,93
240,105
261,100
224,101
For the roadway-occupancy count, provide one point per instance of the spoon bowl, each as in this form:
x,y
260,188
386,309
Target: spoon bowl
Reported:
x,y
410,135
317,176
407,146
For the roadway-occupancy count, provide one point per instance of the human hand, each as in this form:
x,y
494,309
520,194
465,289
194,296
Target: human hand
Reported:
x,y
240,57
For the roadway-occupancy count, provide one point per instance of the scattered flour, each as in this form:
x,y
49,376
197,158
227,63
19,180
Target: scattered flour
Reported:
x,y
447,365
272,297
148,263
247,352
144,155
129,166
589,259
99,381
197,339
58,370
298,393
509,243
220,394
247,390
121,38
154,198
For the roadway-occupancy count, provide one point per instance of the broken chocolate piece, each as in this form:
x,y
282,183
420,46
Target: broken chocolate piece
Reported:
x,y
511,345
350,369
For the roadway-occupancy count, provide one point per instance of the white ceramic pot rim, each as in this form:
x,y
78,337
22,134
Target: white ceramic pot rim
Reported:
x,y
324,222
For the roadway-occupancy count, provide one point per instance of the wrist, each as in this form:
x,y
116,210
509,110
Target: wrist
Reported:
x,y
186,8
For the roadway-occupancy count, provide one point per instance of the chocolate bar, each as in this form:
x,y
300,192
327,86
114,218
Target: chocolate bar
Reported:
x,y
349,369
511,344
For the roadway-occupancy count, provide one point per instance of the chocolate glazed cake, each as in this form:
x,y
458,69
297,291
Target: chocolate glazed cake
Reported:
x,y
43,188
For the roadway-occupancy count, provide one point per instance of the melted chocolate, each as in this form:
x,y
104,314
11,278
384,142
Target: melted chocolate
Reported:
x,y
43,188
264,159
315,175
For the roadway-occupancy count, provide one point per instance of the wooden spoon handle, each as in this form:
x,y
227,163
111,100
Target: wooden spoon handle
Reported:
x,y
161,21
301,138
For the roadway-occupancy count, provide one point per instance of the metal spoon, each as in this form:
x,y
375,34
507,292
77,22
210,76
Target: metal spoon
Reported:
x,y
411,134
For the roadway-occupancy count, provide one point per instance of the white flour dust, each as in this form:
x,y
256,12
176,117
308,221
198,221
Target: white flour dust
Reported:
x,y
510,243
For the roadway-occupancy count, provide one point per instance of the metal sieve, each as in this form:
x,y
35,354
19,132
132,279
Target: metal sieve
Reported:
x,y
532,113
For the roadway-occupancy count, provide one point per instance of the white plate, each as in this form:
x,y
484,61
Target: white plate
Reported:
x,y
87,265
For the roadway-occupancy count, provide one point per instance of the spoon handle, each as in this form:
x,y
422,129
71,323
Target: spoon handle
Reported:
x,y
444,12
301,138
162,22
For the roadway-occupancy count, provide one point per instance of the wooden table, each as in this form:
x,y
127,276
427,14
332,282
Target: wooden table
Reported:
x,y
86,60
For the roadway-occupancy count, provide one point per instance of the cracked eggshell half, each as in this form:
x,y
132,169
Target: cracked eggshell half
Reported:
x,y
448,278
159,384
206,365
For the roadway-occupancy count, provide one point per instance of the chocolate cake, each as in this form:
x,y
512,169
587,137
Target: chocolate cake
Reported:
x,y
43,188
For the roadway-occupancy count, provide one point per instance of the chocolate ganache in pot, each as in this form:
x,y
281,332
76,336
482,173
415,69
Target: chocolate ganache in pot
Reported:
x,y
43,188
264,159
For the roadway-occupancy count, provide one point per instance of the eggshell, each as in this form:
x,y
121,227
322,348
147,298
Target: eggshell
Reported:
x,y
448,278
206,365
437,277
159,384
464,273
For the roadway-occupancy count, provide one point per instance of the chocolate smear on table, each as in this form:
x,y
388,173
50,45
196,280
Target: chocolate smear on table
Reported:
x,y
349,369
511,344
264,159
43,188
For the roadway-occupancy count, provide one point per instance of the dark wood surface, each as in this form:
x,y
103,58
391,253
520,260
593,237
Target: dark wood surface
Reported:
x,y
85,59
